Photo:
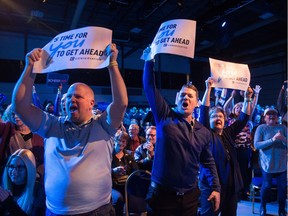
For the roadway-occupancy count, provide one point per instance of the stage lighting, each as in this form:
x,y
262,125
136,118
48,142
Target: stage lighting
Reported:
x,y
180,3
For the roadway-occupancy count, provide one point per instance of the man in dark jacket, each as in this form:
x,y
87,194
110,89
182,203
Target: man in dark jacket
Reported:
x,y
182,144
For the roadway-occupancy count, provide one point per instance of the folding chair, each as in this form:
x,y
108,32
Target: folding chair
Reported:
x,y
136,188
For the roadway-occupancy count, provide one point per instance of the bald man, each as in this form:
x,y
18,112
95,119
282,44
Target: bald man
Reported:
x,y
78,148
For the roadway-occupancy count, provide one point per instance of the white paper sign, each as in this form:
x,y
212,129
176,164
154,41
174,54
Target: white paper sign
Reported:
x,y
229,75
78,48
174,37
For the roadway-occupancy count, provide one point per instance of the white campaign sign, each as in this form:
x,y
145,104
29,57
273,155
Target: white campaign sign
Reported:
x,y
79,48
229,75
174,37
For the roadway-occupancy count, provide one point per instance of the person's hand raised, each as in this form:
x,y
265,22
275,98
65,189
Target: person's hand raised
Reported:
x,y
112,51
33,56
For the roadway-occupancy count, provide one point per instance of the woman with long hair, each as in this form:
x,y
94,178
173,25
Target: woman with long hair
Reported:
x,y
20,194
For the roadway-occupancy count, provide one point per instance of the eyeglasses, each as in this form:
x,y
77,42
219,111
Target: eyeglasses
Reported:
x,y
152,135
216,116
271,114
18,168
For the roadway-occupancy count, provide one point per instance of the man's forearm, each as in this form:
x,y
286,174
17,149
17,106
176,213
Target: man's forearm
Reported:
x,y
206,97
22,94
119,96
118,87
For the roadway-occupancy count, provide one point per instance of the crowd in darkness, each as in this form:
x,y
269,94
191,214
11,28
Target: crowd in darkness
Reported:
x,y
142,117
77,134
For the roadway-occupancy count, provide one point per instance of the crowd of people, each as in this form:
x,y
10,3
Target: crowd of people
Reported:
x,y
199,152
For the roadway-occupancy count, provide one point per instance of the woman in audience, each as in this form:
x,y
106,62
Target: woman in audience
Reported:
x,y
16,135
20,194
123,165
243,141
224,153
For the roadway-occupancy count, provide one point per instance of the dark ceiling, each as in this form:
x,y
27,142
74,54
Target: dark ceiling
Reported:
x,y
255,33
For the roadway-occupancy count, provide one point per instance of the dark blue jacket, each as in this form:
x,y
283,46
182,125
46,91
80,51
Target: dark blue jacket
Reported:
x,y
226,169
180,147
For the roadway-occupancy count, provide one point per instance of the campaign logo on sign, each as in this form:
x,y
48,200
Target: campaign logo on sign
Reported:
x,y
79,48
173,37
229,75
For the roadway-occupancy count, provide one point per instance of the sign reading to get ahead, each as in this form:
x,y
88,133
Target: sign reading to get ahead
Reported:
x,y
229,75
79,48
173,37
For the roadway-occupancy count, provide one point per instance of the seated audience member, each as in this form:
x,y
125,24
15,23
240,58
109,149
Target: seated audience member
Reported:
x,y
16,135
123,165
224,153
134,139
20,194
132,113
271,141
144,154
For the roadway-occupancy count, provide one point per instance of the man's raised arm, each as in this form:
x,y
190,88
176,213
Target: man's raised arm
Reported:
x,y
117,108
22,93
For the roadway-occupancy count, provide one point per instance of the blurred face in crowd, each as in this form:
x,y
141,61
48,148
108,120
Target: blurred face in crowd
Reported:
x,y
16,120
151,135
49,108
237,109
63,105
79,103
133,130
186,101
257,119
120,144
133,110
17,171
271,118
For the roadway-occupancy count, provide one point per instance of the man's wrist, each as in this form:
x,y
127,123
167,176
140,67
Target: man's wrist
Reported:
x,y
248,99
113,63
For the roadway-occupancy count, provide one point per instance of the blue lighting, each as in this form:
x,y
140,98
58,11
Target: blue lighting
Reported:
x,y
223,24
